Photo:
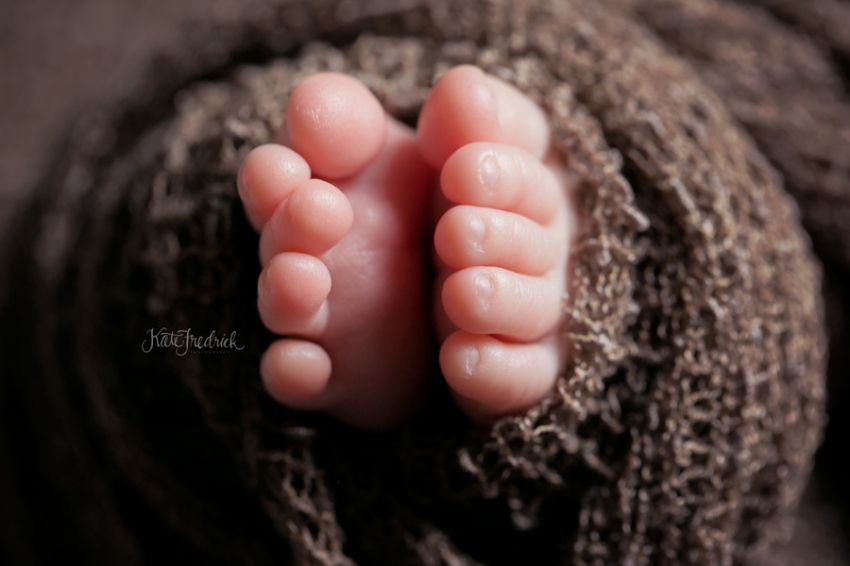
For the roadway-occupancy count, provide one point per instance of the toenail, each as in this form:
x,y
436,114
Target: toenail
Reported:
x,y
483,286
477,231
473,357
488,173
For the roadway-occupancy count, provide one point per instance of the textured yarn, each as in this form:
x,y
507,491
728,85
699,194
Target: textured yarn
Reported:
x,y
682,432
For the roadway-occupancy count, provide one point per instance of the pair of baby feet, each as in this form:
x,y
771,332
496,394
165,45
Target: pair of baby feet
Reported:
x,y
344,205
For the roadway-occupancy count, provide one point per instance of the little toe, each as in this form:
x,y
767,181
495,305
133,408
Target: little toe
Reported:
x,y
296,373
335,123
311,220
491,300
490,377
267,175
467,236
467,105
291,294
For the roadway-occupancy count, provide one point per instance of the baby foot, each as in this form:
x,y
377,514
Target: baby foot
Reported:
x,y
341,218
502,245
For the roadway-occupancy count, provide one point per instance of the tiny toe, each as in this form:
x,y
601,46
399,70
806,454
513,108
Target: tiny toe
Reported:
x,y
503,177
467,105
490,300
336,123
296,373
268,174
291,294
442,324
312,220
496,378
467,236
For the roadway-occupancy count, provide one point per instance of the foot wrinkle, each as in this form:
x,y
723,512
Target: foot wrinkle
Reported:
x,y
484,286
478,231
473,358
489,174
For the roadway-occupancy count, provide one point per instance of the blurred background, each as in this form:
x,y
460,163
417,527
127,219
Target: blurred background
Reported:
x,y
59,58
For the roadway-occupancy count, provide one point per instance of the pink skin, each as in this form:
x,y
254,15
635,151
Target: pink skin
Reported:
x,y
344,268
502,249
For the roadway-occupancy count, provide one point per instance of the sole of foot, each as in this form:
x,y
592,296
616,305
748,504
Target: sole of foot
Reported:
x,y
344,278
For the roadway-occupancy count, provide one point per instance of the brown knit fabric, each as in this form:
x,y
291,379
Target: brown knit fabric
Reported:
x,y
782,80
683,433
782,88
825,21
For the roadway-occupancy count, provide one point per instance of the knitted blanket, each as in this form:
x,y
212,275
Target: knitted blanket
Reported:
x,y
705,134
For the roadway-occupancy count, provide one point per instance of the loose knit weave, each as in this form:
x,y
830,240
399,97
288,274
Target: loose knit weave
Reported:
x,y
682,432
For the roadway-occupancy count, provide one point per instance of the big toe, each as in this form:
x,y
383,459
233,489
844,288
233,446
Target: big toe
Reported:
x,y
335,123
467,105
